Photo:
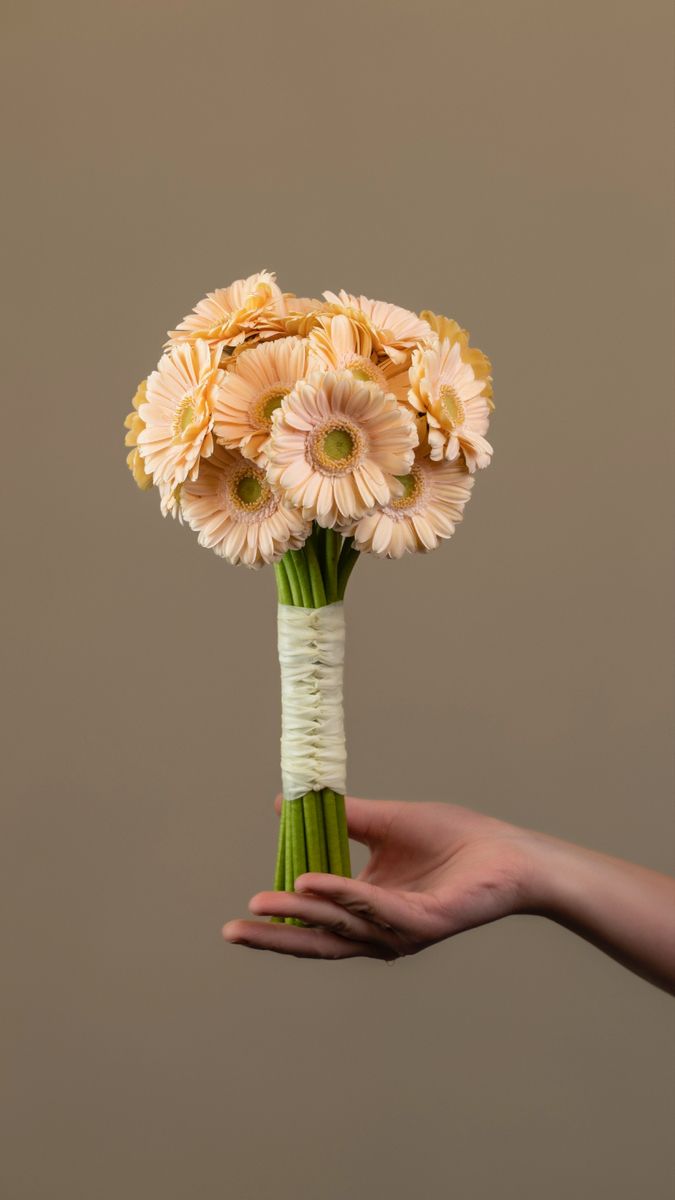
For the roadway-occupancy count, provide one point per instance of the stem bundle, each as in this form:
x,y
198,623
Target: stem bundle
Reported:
x,y
313,832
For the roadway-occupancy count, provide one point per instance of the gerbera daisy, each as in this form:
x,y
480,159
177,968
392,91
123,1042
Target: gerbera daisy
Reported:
x,y
431,506
449,330
447,391
226,316
337,445
235,512
134,424
338,343
395,331
178,413
253,389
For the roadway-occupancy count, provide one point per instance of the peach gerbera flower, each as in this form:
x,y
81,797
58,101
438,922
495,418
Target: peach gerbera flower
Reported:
x,y
395,331
235,512
178,414
431,506
225,317
134,424
253,389
337,445
449,330
338,343
447,391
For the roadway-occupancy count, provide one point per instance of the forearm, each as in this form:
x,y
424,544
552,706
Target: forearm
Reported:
x,y
626,910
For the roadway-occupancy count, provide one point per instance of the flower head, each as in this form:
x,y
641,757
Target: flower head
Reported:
x,y
178,414
449,330
134,424
447,391
395,331
228,315
253,389
235,512
337,445
431,506
339,343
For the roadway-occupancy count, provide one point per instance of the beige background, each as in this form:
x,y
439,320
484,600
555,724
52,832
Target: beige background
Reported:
x,y
503,161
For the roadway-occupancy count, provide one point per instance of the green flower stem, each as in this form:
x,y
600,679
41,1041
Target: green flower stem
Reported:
x,y
299,845
323,845
333,546
332,832
316,577
348,560
299,561
283,586
310,809
347,543
317,537
297,842
288,855
344,835
280,871
293,581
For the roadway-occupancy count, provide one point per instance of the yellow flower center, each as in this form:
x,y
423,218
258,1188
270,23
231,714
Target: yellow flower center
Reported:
x,y
364,370
190,416
267,405
187,416
336,447
454,407
338,444
412,487
248,489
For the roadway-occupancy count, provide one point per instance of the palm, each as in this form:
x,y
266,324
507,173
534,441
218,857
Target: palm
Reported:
x,y
450,866
434,870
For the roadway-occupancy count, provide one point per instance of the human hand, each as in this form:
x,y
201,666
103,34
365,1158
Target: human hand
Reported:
x,y
434,870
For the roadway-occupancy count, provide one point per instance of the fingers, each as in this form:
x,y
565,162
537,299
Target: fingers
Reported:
x,y
393,911
367,820
301,943
317,911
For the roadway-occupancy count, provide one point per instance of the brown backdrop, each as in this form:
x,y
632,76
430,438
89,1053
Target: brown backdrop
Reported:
x,y
507,163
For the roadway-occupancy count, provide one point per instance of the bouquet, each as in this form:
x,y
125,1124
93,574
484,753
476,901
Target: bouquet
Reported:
x,y
304,433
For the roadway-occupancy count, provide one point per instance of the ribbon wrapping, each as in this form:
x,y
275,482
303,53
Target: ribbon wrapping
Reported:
x,y
311,656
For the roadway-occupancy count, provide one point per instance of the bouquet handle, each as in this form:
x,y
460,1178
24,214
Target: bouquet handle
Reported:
x,y
313,833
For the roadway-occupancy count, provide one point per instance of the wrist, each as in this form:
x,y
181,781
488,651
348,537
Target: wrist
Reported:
x,y
550,868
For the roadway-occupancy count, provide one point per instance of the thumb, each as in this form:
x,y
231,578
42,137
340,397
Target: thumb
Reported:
x,y
368,820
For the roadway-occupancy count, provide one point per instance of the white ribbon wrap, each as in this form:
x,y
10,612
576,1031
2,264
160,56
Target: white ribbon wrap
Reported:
x,y
311,657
